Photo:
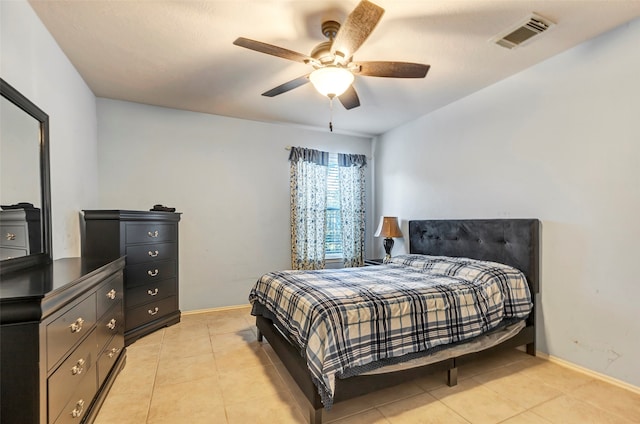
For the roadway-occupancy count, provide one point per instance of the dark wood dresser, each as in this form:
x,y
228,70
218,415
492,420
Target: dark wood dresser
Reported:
x,y
150,242
61,340
20,232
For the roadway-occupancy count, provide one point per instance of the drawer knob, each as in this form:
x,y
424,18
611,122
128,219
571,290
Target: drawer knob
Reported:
x,y
77,325
155,311
153,234
112,294
113,352
77,411
112,324
154,253
11,236
152,293
78,367
152,273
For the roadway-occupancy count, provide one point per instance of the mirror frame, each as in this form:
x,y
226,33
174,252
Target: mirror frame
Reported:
x,y
44,257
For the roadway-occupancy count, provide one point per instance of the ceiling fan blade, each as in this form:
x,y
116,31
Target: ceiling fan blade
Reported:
x,y
392,69
356,28
261,47
287,86
349,98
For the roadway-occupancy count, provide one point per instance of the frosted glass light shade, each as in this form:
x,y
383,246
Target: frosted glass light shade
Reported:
x,y
331,81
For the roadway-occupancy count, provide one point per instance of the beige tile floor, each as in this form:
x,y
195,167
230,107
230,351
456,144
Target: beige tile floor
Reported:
x,y
210,369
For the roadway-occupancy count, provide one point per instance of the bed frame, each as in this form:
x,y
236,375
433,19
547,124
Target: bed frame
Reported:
x,y
513,242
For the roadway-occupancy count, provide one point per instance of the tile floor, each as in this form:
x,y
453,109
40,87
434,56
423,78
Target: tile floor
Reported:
x,y
210,369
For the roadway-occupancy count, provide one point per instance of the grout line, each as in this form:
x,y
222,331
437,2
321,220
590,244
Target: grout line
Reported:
x,y
155,375
456,412
524,412
539,416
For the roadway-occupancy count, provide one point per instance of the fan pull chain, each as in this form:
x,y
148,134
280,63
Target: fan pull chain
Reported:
x,y
331,113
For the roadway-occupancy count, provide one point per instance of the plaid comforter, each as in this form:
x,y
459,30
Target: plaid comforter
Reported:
x,y
351,317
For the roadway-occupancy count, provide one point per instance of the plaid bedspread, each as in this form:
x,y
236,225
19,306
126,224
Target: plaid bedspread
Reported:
x,y
355,316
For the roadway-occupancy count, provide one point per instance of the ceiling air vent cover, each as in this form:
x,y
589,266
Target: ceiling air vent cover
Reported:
x,y
524,31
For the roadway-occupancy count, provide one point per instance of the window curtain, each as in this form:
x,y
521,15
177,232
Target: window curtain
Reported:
x,y
308,176
352,204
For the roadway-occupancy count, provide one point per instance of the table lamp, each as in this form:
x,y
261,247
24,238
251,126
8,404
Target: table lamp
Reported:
x,y
388,228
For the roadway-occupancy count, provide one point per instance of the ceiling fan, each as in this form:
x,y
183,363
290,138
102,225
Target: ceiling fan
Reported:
x,y
334,68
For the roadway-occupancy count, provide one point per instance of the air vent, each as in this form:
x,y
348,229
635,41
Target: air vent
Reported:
x,y
523,32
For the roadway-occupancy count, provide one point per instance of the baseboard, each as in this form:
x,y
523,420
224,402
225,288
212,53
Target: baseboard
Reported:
x,y
219,309
590,373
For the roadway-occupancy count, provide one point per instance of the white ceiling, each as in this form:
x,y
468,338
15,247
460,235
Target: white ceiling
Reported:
x,y
179,54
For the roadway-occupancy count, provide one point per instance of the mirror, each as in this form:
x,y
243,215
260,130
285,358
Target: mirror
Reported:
x,y
25,192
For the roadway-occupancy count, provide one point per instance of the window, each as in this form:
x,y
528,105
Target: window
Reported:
x,y
327,208
333,239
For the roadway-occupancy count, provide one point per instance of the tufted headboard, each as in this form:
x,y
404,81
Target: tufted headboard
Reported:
x,y
513,242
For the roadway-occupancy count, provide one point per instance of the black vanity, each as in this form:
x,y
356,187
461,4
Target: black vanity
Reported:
x,y
61,322
61,340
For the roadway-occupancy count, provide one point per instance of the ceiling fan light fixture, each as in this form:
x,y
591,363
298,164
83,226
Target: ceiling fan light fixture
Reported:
x,y
331,81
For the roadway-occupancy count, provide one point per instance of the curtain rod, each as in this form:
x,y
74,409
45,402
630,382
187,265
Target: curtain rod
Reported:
x,y
289,148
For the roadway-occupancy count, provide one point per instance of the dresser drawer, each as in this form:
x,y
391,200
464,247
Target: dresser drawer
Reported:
x,y
143,314
69,328
13,235
150,272
150,232
74,410
109,294
109,356
151,252
150,292
6,253
70,373
110,324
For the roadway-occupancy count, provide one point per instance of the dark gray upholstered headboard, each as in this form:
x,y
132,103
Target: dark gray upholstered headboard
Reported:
x,y
513,242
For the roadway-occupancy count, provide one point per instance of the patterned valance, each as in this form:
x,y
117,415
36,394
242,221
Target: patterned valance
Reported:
x,y
309,155
347,160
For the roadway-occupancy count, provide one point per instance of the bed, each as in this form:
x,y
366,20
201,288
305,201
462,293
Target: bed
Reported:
x,y
513,242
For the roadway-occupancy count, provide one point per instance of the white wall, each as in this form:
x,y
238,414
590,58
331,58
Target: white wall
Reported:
x,y
559,142
229,178
32,62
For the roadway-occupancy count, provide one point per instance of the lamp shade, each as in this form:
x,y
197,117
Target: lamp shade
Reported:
x,y
331,80
388,227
